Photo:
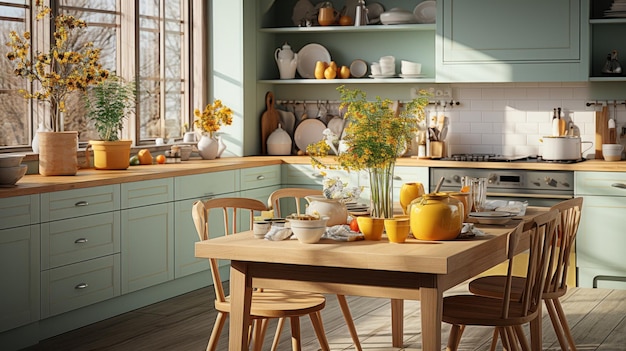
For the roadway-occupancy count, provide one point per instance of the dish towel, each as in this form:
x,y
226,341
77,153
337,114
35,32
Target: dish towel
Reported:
x,y
339,232
469,231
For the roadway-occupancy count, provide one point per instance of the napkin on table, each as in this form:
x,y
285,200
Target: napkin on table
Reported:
x,y
339,232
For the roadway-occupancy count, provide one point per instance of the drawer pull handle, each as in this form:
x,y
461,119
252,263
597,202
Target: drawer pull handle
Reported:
x,y
81,203
80,241
81,286
619,185
261,177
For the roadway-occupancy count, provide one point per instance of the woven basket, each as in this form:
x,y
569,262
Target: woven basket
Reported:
x,y
58,153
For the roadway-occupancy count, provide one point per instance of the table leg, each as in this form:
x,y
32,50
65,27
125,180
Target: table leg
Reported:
x,y
397,322
240,299
431,306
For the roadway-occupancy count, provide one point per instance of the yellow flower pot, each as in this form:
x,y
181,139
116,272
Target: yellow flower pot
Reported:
x,y
397,229
436,217
371,227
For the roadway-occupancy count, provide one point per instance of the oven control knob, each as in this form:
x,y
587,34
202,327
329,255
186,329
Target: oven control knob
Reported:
x,y
492,179
456,178
550,181
565,184
537,183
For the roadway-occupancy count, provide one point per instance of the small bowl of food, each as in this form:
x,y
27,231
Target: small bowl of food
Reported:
x,y
308,229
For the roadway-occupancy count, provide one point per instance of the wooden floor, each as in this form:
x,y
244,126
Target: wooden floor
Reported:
x,y
597,318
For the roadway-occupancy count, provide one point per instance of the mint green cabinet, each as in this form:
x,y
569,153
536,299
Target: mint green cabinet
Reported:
x,y
601,241
511,41
19,273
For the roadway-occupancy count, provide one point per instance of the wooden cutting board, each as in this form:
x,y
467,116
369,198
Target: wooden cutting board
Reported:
x,y
602,130
269,120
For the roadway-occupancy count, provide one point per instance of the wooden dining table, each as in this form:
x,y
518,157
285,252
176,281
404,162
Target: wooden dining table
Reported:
x,y
414,270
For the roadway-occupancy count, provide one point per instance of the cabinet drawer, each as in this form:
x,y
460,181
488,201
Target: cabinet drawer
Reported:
x,y
18,211
206,184
600,183
79,239
79,202
147,192
70,287
258,177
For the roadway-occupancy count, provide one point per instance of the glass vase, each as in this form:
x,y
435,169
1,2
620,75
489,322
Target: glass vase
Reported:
x,y
381,187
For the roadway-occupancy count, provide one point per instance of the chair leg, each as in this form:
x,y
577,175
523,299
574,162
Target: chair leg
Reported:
x,y
564,324
318,326
504,338
279,328
513,342
260,327
454,338
494,339
217,330
522,338
296,345
556,325
343,303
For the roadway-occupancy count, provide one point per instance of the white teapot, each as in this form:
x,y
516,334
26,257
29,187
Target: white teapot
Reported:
x,y
287,61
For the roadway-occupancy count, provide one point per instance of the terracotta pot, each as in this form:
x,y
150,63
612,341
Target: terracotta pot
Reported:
x,y
58,153
436,217
111,154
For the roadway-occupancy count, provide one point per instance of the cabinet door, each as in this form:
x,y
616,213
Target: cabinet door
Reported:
x,y
19,274
147,246
530,40
186,236
79,202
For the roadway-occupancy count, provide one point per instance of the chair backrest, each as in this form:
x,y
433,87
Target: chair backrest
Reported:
x,y
542,236
229,206
569,213
296,193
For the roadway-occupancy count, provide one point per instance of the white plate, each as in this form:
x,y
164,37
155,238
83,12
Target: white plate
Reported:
x,y
490,214
382,76
309,131
308,56
426,12
373,12
358,68
412,75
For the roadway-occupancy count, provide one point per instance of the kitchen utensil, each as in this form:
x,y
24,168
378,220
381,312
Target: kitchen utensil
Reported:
x,y
327,16
602,130
308,56
439,184
611,126
565,148
288,121
269,120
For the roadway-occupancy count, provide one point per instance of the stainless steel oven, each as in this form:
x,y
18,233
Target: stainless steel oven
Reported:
x,y
539,188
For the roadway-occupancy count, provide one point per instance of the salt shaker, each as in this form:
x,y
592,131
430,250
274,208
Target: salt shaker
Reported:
x,y
360,18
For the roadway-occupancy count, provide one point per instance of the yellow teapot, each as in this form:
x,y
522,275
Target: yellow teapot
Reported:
x,y
436,216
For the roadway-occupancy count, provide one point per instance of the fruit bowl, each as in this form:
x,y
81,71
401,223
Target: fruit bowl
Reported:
x,y
10,175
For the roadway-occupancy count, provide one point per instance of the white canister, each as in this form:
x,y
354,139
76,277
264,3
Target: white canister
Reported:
x,y
563,148
279,142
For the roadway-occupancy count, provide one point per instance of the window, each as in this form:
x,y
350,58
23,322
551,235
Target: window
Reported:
x,y
147,41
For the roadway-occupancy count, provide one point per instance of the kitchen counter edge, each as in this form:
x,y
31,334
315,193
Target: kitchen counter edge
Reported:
x,y
36,184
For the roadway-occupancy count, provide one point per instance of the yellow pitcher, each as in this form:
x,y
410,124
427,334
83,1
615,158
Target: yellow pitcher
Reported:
x,y
409,192
436,217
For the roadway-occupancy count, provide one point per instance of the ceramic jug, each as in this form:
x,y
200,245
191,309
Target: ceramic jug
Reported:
x,y
334,209
409,192
287,62
436,217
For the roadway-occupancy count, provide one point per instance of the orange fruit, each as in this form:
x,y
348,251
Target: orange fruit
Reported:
x,y
145,158
160,159
354,225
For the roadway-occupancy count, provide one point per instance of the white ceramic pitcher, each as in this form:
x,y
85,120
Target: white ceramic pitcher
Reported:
x,y
287,62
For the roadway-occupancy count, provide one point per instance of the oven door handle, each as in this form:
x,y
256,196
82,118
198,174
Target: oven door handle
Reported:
x,y
619,185
530,196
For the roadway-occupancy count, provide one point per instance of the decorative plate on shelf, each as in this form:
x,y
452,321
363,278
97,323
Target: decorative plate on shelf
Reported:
x,y
309,131
308,56
426,12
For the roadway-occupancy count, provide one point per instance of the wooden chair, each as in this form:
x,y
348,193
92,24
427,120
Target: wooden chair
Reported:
x,y
556,277
507,312
266,304
297,194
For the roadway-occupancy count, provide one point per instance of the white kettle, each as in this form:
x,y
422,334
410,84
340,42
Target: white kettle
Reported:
x,y
287,61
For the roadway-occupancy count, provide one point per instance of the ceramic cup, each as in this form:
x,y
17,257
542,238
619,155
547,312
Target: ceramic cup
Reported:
x,y
260,228
409,67
375,69
397,229
189,137
372,228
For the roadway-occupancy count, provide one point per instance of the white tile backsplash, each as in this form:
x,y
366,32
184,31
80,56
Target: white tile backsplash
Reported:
x,y
510,119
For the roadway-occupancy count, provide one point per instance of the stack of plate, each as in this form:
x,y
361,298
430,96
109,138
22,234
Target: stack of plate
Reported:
x,y
491,217
618,9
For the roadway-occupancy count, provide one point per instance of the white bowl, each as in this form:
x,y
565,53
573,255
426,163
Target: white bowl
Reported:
x,y
612,152
10,160
308,235
397,16
306,223
10,175
358,68
408,67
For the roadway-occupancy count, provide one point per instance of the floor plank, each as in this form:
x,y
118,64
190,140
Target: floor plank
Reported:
x,y
597,318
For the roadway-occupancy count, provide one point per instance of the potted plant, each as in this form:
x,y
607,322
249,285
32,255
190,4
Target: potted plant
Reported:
x,y
56,73
108,103
374,136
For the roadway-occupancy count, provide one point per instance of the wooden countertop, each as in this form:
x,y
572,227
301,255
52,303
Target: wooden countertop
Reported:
x,y
35,184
